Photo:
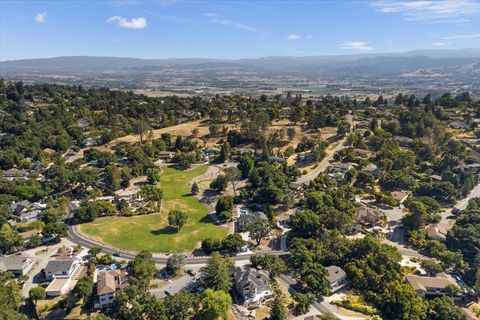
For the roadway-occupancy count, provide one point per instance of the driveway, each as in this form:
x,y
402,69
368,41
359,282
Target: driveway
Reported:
x,y
461,204
325,162
35,275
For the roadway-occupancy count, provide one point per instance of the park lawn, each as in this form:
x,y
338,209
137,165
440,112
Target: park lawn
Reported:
x,y
151,232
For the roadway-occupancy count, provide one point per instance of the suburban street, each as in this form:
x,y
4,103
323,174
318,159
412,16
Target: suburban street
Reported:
x,y
325,162
160,259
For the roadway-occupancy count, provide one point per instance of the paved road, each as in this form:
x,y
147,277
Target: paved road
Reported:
x,y
325,162
461,204
322,307
193,261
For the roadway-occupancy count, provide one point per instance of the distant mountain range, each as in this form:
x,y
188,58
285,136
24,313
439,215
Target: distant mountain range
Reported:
x,y
413,70
392,61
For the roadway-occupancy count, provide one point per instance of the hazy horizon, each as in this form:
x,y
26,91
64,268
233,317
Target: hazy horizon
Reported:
x,y
421,50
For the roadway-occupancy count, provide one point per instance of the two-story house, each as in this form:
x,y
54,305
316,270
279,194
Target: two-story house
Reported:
x,y
61,272
336,277
252,284
108,282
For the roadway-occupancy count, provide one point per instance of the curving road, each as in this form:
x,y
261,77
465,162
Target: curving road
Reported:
x,y
74,236
325,162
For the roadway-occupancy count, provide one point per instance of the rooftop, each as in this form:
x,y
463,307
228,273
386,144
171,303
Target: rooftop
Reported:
x,y
441,281
59,265
335,273
109,281
13,262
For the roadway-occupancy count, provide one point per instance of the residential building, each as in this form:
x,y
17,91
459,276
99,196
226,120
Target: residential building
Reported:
x,y
438,231
29,216
372,169
470,168
165,155
17,264
61,272
108,282
20,207
15,173
252,284
404,142
61,268
362,153
337,278
251,217
369,217
400,196
338,170
431,286
130,195
458,125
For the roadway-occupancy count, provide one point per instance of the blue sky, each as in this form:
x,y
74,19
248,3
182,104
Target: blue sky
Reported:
x,y
233,29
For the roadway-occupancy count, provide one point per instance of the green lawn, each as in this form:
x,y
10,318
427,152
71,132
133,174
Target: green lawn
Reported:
x,y
151,232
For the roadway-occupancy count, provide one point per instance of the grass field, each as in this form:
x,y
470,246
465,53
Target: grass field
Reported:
x,y
151,232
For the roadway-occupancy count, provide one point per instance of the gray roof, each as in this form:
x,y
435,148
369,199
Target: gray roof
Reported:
x,y
15,173
245,219
60,265
13,262
251,277
335,273
422,283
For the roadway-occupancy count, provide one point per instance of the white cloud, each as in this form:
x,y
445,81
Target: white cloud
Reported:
x,y
462,36
430,10
217,19
356,45
210,14
134,23
294,37
440,44
41,17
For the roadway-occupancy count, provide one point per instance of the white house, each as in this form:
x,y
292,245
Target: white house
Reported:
x,y
17,264
61,268
337,278
61,272
252,284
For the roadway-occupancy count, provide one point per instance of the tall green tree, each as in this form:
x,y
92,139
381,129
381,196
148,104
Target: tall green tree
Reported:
x,y
215,274
259,229
177,218
83,288
9,239
278,311
37,293
181,306
400,302
174,263
443,308
215,304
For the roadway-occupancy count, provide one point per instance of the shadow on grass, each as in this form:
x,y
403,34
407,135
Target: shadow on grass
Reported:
x,y
165,230
207,219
